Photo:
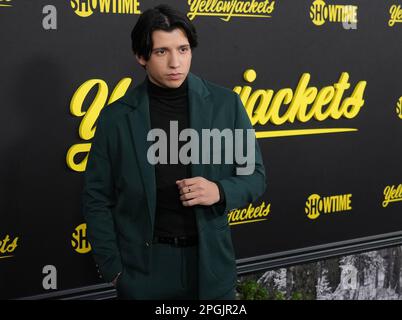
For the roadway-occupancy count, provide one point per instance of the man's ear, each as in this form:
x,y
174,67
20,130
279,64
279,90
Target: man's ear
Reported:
x,y
141,60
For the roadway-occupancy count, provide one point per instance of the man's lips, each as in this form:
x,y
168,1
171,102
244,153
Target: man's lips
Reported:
x,y
174,75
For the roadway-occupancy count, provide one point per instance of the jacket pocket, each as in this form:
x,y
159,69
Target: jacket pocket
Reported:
x,y
135,256
222,259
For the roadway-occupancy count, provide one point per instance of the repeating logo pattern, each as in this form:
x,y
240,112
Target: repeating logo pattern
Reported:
x,y
320,13
85,8
317,205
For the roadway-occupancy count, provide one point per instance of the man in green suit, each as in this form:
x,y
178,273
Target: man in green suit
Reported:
x,y
159,229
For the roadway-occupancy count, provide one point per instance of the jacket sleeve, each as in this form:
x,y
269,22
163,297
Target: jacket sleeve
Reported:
x,y
97,201
239,189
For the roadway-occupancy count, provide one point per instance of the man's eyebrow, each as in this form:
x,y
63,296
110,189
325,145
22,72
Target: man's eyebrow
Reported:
x,y
165,48
161,48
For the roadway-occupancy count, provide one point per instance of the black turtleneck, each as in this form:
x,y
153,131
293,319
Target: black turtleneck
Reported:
x,y
172,218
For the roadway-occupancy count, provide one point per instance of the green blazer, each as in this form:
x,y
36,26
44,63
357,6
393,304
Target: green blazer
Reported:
x,y
119,194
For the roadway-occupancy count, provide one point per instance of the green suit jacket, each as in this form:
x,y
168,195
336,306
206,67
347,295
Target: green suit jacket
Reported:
x,y
119,195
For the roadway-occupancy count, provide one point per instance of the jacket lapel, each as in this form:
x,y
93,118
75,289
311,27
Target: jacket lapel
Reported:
x,y
200,109
140,124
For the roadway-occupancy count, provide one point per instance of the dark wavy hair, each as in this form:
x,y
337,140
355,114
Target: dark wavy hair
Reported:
x,y
162,17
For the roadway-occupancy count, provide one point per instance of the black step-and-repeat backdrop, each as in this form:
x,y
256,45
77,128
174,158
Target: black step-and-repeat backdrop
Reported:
x,y
321,83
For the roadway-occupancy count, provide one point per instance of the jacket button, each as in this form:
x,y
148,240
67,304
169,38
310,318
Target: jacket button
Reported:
x,y
147,244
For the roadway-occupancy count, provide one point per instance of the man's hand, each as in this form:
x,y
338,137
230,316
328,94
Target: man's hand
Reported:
x,y
198,190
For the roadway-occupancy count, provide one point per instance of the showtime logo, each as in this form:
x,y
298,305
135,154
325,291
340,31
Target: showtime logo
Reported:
x,y
85,8
320,12
79,239
315,205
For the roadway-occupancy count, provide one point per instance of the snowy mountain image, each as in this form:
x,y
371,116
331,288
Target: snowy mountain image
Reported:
x,y
374,275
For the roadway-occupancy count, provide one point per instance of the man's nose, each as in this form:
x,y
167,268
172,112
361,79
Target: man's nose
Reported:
x,y
174,60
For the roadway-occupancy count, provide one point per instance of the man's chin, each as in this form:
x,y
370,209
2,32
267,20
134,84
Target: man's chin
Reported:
x,y
169,83
173,84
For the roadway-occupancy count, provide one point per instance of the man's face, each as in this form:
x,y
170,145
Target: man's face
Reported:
x,y
170,58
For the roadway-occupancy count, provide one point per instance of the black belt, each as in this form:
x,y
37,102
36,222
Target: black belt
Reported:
x,y
182,241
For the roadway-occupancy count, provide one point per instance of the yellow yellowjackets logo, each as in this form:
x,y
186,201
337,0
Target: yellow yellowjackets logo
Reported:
x,y
399,108
226,9
265,107
320,12
250,214
8,246
85,8
80,242
396,15
89,117
315,205
392,194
